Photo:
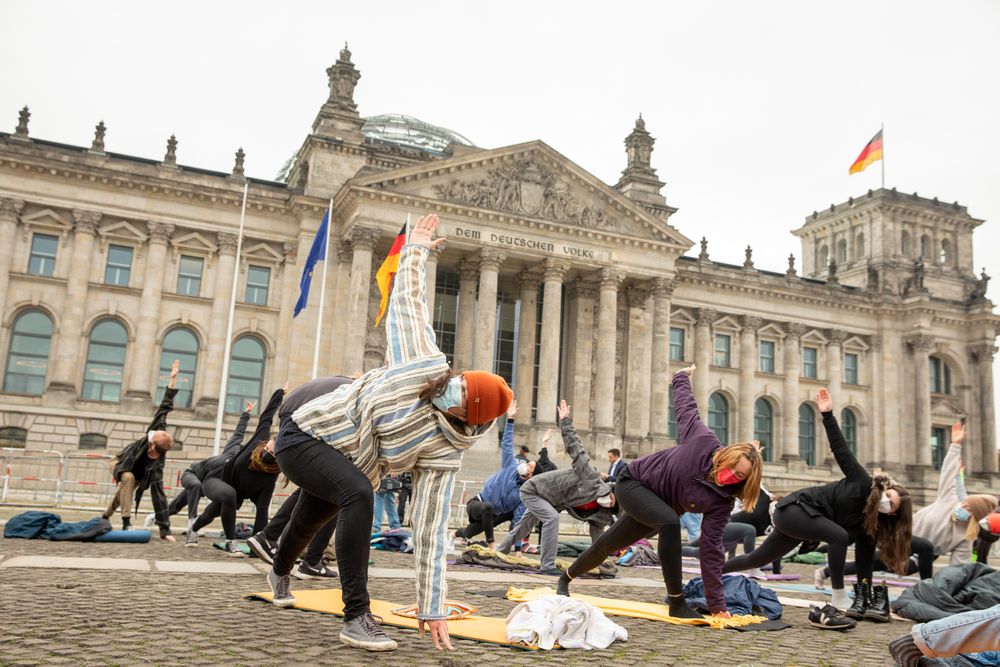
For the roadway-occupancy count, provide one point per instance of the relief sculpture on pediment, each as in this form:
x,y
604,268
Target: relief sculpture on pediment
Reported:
x,y
528,188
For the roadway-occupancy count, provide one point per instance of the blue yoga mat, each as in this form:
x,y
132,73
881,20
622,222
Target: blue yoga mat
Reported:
x,y
136,536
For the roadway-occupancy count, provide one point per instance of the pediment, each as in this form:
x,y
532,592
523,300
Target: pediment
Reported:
x,y
728,322
815,337
122,230
532,181
771,330
47,218
682,316
262,252
856,343
946,407
194,241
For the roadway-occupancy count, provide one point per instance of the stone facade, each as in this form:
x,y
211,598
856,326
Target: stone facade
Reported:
x,y
569,286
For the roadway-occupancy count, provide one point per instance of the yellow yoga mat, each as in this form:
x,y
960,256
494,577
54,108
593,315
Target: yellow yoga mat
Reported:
x,y
328,601
647,610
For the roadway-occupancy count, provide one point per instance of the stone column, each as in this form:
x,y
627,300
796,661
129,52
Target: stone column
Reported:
x,y
139,389
660,377
748,370
983,357
465,329
792,360
10,209
872,449
604,376
526,325
583,330
639,374
67,352
703,351
548,355
835,364
431,269
362,243
486,309
288,282
921,346
341,302
211,375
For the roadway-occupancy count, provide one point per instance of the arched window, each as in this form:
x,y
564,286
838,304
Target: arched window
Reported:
x,y
940,375
102,376
807,434
12,436
93,441
824,258
246,373
28,356
718,416
859,246
181,344
945,251
849,424
905,244
763,426
926,250
842,251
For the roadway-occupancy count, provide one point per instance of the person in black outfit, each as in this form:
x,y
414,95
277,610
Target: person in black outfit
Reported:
x,y
859,508
264,543
760,519
250,474
406,479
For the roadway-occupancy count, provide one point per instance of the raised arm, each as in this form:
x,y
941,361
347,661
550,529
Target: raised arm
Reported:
x,y
507,442
853,471
263,432
689,423
574,447
947,489
430,503
408,327
236,439
159,422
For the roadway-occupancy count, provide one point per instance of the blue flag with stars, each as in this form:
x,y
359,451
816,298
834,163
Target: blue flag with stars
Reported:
x,y
316,254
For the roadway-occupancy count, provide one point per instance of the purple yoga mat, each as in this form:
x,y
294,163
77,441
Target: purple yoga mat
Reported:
x,y
890,582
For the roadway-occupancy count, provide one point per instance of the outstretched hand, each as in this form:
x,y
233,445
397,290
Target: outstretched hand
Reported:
x,y
512,409
689,371
824,401
250,405
563,410
439,633
423,232
175,368
546,437
284,387
958,433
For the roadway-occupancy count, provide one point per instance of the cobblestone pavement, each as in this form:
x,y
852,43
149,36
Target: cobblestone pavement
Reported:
x,y
75,616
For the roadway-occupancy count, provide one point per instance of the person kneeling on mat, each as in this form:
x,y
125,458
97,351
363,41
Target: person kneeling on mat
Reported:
x,y
698,475
412,414
545,496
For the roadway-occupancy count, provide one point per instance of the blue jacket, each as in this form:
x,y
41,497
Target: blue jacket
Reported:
x,y
502,489
743,596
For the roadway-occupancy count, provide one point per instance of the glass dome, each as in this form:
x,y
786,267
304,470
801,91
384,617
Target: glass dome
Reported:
x,y
411,133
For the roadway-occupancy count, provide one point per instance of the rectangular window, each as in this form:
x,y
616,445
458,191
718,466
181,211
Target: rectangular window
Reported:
x,y
809,355
119,268
676,344
258,280
766,356
850,368
722,350
939,445
189,275
42,261
671,415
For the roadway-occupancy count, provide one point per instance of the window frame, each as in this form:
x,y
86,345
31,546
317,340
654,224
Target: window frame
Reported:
x,y
89,447
181,276
12,355
118,268
43,258
761,357
767,442
677,345
807,436
713,410
88,363
856,370
814,364
257,287
239,404
14,437
188,372
850,429
728,351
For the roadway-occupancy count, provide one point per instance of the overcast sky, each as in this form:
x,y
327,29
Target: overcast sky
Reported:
x,y
758,108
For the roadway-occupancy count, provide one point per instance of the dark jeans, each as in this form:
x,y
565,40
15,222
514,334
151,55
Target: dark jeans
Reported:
x,y
792,525
223,504
190,496
643,514
276,526
404,497
919,547
482,520
329,484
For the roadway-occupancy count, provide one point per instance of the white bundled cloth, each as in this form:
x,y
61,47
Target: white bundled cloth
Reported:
x,y
558,619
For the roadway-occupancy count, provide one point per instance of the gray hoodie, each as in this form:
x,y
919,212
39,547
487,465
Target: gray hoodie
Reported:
x,y
568,487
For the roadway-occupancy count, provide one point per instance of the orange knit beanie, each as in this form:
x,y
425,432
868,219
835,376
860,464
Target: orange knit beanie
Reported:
x,y
488,396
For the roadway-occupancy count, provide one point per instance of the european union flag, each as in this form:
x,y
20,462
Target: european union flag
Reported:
x,y
316,254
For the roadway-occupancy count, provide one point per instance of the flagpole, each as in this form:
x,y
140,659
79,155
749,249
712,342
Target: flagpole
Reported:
x,y
322,288
882,131
229,327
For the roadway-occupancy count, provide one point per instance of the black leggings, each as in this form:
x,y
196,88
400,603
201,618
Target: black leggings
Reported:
x,y
734,533
482,520
190,495
792,525
919,547
317,546
223,504
643,514
330,486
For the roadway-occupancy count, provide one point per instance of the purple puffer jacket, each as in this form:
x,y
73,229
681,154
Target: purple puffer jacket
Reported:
x,y
680,477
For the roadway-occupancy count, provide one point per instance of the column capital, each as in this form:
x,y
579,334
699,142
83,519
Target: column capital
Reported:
x,y
529,279
10,209
707,316
290,251
86,221
637,296
837,336
490,259
227,243
610,278
662,287
982,352
468,269
554,270
920,342
363,238
751,323
794,329
582,288
160,231
344,252
875,342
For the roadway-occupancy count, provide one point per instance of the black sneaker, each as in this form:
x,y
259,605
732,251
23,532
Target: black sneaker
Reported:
x,y
366,632
829,617
905,651
551,571
306,571
233,549
262,548
192,539
281,588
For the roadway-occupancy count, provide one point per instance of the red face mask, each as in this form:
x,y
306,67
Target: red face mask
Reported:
x,y
726,477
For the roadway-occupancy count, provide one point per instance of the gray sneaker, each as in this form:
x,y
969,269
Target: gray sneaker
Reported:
x,y
281,587
366,632
192,539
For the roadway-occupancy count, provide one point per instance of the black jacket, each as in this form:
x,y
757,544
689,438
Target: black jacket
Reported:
x,y
152,478
254,485
212,466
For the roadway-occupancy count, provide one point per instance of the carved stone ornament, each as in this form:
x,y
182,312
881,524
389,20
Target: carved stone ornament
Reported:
x,y
160,232
490,259
748,262
290,251
662,287
363,238
171,156
238,165
583,288
703,255
978,292
554,270
99,131
794,329
920,342
637,296
526,187
468,269
10,208
707,316
86,221
227,243
751,323
343,77
983,353
610,278
837,336
22,123
790,272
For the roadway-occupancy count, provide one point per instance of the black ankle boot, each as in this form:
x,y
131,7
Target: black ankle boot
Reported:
x,y
562,586
878,607
862,594
679,608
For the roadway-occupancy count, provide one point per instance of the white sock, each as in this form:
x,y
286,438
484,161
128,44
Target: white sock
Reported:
x,y
840,599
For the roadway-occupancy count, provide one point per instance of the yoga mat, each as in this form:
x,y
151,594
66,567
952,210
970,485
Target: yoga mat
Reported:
x,y
770,577
328,601
646,610
137,536
243,546
898,583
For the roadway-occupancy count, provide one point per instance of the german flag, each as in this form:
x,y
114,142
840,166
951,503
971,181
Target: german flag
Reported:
x,y
872,152
387,272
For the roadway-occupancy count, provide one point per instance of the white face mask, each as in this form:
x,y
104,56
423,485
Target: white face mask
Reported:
x,y
149,435
884,505
522,468
604,501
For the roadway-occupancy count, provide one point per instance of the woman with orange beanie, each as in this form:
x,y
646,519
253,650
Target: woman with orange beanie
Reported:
x,y
410,415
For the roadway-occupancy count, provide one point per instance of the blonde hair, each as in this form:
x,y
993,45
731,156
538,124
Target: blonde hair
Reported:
x,y
728,456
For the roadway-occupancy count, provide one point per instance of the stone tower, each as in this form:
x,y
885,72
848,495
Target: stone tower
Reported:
x,y
639,181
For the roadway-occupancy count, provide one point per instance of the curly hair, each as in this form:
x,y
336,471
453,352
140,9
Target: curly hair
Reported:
x,y
890,532
727,457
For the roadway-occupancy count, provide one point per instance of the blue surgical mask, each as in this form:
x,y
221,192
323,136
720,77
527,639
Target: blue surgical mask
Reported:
x,y
452,396
962,514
